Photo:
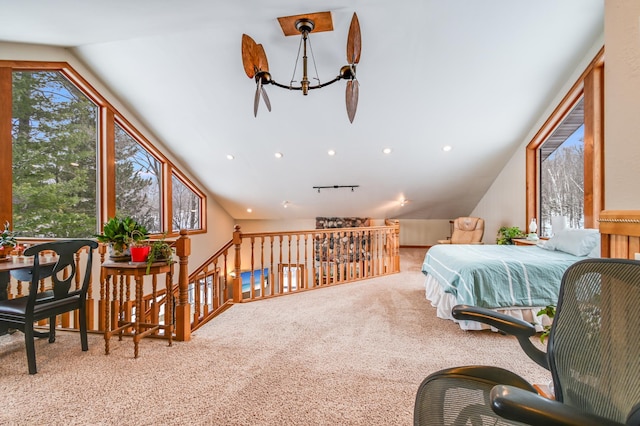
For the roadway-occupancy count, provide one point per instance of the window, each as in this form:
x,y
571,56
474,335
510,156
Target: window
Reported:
x,y
565,159
138,178
54,140
562,173
186,206
73,160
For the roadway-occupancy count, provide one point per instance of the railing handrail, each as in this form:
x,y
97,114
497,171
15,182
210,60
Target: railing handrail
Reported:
x,y
210,260
312,231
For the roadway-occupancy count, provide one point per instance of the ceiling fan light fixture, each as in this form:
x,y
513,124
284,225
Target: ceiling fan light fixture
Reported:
x,y
256,66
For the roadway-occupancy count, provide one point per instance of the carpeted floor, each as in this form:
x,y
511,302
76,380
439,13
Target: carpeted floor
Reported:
x,y
352,354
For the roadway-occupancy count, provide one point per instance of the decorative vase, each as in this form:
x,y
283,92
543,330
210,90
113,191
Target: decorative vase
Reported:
x,y
4,253
118,253
533,228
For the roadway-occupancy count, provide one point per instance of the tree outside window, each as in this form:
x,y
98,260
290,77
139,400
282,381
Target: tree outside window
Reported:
x,y
562,173
138,182
54,140
186,206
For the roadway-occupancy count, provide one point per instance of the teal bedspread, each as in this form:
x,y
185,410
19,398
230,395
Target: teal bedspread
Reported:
x,y
495,276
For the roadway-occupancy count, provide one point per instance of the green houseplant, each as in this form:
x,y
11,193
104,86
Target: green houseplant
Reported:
x,y
507,234
7,240
120,233
160,251
550,311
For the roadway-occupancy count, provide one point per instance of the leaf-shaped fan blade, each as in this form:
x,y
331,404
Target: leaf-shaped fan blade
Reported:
x,y
256,99
249,57
354,44
266,98
261,56
352,98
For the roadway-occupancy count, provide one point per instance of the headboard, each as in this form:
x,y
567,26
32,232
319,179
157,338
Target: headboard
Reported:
x,y
620,233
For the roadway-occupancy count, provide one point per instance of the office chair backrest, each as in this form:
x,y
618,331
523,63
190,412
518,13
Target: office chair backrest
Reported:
x,y
594,344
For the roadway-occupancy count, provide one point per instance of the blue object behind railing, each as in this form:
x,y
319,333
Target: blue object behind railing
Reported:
x,y
257,277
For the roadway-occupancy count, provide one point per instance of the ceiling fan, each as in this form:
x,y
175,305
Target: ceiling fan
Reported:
x,y
256,66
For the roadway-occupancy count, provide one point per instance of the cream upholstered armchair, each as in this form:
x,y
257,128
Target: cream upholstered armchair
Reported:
x,y
466,230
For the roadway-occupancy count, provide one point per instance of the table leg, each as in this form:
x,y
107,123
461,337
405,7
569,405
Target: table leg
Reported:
x,y
4,285
139,313
168,311
107,319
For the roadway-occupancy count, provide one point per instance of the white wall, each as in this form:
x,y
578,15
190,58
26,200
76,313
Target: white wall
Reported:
x,y
622,104
219,223
423,232
504,204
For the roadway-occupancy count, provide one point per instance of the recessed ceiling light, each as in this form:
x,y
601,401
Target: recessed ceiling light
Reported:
x,y
387,150
278,155
230,157
447,148
249,210
331,152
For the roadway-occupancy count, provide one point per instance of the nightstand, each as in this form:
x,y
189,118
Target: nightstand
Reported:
x,y
524,242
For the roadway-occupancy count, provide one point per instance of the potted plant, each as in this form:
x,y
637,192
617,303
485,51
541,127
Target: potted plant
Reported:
x,y
549,311
139,246
7,241
120,233
506,235
160,251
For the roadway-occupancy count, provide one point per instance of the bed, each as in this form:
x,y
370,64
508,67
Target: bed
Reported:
x,y
516,280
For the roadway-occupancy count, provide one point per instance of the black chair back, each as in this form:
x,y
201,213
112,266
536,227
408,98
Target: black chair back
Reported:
x,y
67,292
594,344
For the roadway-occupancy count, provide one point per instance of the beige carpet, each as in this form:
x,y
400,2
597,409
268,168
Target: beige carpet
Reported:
x,y
349,355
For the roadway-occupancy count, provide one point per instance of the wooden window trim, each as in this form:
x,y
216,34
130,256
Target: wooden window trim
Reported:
x,y
590,85
108,117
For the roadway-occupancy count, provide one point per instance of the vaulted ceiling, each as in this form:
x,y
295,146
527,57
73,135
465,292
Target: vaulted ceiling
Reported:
x,y
473,75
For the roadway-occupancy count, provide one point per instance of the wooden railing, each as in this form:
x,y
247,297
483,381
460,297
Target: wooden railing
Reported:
x,y
620,233
256,266
249,267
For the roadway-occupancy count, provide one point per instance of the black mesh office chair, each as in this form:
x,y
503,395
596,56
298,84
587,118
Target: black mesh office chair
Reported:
x,y
593,353
48,302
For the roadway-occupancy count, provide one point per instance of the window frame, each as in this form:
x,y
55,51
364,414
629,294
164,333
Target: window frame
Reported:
x,y
590,86
108,116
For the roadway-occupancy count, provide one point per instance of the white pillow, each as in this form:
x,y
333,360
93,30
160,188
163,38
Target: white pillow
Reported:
x,y
595,252
578,242
549,244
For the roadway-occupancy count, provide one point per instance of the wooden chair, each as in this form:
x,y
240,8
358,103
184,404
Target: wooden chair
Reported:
x,y
63,296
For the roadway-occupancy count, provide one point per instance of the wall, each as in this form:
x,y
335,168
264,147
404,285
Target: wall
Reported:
x,y
423,232
622,105
219,223
504,203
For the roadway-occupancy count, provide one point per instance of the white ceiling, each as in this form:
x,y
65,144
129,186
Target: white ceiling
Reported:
x,y
471,74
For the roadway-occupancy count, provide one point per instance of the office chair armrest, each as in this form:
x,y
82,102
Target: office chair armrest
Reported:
x,y
528,407
522,330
